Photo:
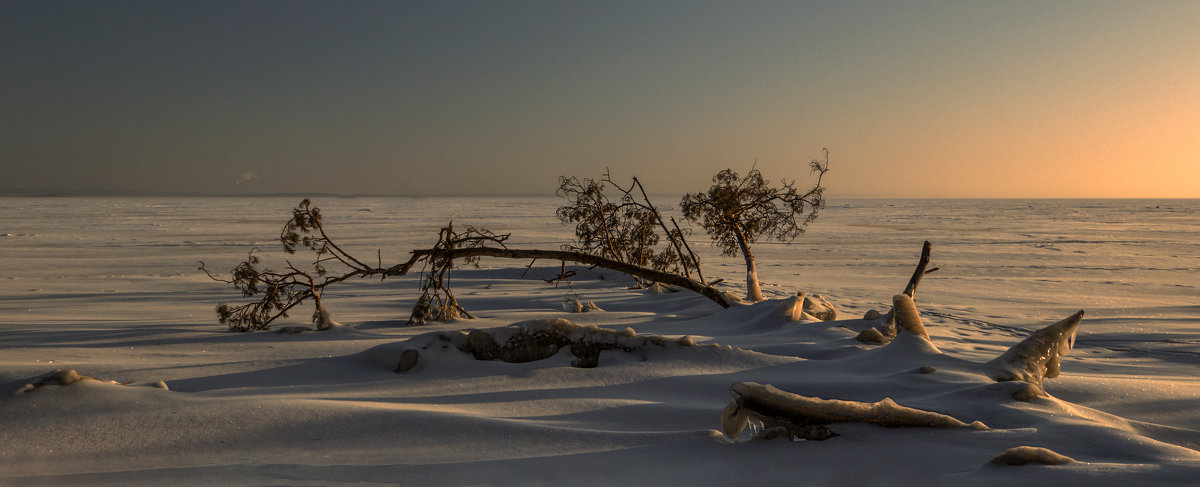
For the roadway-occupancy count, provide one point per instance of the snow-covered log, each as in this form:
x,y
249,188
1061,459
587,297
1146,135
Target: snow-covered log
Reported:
x,y
772,412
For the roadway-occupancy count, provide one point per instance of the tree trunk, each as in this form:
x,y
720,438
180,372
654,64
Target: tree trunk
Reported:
x,y
753,291
563,255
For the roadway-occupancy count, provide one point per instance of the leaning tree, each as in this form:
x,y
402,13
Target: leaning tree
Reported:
x,y
737,211
625,227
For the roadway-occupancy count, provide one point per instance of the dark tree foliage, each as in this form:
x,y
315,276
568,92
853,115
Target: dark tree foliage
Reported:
x,y
624,229
737,211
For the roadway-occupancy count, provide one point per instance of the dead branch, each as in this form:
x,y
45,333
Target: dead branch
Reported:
x,y
920,271
692,255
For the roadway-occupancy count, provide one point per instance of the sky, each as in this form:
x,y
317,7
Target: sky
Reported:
x,y
1013,99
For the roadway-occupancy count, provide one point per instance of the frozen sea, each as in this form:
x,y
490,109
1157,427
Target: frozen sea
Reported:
x,y
1132,264
111,286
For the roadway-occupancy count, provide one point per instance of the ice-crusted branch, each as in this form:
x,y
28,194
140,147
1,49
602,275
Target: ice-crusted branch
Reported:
x,y
772,412
1038,356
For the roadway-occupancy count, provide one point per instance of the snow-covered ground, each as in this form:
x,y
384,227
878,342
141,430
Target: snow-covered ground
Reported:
x,y
109,287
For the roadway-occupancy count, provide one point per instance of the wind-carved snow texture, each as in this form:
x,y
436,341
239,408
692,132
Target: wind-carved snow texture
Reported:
x,y
329,406
1039,355
771,412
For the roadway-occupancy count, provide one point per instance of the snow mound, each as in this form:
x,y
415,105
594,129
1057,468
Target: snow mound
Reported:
x,y
1024,455
573,304
67,377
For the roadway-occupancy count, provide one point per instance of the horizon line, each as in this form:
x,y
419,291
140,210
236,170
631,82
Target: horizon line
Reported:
x,y
76,193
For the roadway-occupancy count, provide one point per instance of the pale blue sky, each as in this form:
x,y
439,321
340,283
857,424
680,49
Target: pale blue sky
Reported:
x,y
939,99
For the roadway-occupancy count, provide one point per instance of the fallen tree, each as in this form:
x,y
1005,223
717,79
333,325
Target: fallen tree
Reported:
x,y
278,292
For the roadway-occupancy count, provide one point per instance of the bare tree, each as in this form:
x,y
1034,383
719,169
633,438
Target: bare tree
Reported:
x,y
737,211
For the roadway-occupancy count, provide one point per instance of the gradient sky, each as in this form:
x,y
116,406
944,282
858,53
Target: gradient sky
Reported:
x,y
921,99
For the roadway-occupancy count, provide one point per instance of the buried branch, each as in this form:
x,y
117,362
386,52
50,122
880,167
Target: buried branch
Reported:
x,y
886,330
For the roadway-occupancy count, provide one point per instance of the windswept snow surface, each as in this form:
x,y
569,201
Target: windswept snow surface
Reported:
x,y
109,287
